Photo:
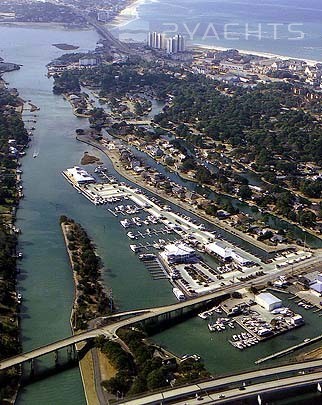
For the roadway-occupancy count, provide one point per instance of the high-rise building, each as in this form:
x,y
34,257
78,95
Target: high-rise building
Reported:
x,y
155,40
176,44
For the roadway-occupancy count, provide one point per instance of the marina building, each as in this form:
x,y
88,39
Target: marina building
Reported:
x,y
179,253
79,176
220,250
268,301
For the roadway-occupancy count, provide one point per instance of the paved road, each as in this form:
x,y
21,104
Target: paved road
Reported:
x,y
188,395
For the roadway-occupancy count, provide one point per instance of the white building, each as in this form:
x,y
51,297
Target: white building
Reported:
x,y
176,44
80,176
268,301
88,61
179,253
155,40
220,250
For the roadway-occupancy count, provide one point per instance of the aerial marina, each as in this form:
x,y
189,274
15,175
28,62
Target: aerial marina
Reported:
x,y
177,248
181,244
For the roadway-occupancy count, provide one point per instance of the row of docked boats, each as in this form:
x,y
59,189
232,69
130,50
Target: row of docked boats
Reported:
x,y
220,325
244,340
127,209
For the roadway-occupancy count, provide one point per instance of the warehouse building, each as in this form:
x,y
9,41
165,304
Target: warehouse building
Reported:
x,y
268,301
220,250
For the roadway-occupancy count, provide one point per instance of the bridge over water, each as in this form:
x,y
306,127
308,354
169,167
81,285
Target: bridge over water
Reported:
x,y
164,313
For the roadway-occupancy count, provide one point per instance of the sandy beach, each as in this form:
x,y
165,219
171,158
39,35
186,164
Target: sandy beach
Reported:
x,y
256,53
131,13
128,14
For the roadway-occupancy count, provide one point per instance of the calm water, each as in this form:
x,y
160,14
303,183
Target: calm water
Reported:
x,y
45,280
249,24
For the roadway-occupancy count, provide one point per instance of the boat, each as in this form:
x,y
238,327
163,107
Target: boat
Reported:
x,y
178,293
125,223
35,154
135,248
212,327
147,256
194,357
131,235
204,315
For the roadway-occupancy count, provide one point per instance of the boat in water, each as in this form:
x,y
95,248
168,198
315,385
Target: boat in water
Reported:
x,y
147,256
135,248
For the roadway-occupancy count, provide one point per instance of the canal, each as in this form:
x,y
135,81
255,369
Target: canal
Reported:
x,y
45,279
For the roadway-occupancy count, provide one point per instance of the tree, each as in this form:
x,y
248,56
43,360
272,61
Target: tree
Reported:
x,y
245,192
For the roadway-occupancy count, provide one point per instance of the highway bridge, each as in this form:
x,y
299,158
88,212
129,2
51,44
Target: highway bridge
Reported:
x,y
106,34
110,331
234,387
143,315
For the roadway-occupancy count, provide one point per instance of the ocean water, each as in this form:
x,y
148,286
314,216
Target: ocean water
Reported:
x,y
285,27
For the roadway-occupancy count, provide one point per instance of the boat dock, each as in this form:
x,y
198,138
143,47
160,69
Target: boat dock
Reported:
x,y
156,269
289,350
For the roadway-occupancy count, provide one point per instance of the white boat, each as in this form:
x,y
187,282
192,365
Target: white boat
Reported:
x,y
204,315
147,256
212,327
135,248
178,293
131,235
125,223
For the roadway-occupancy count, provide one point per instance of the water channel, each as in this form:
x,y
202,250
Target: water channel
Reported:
x,y
45,280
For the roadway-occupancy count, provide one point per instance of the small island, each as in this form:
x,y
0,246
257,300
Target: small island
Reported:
x,y
88,159
66,47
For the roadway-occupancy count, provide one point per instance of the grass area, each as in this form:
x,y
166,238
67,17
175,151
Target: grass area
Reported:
x,y
106,368
86,366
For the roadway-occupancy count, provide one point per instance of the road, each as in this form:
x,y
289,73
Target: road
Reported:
x,y
220,390
110,331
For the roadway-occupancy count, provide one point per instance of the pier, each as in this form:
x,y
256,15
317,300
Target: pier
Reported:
x,y
289,350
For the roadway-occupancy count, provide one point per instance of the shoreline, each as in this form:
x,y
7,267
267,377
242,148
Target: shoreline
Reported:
x,y
84,363
263,54
130,14
90,366
9,230
47,25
